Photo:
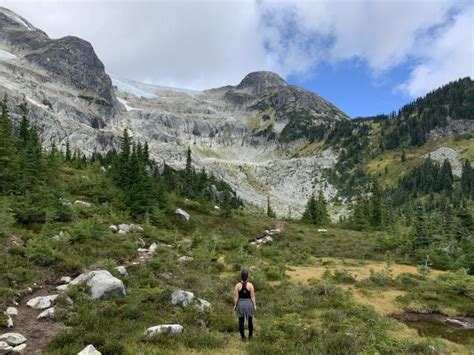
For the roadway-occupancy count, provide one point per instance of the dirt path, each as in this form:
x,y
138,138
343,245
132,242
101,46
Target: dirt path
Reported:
x,y
38,332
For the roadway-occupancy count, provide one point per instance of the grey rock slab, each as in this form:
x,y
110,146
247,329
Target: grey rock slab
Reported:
x,y
42,302
101,283
164,329
13,339
89,350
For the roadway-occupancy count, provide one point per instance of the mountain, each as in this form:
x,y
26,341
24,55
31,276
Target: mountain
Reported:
x,y
253,135
264,137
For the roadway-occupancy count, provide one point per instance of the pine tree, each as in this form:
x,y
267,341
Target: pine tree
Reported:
x,y
270,212
7,153
310,211
24,124
467,180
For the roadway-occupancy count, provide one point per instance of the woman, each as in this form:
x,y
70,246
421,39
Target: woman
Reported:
x,y
244,303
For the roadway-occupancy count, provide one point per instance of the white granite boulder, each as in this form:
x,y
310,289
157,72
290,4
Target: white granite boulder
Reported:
x,y
47,314
101,283
183,214
164,329
12,339
42,302
185,298
89,350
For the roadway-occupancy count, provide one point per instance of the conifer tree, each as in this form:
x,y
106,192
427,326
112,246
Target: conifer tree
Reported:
x,y
7,154
270,212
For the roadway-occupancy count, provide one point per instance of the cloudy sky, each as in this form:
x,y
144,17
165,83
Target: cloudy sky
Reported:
x,y
367,56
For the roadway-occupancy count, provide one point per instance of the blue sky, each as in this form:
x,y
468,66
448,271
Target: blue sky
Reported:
x,y
365,56
351,87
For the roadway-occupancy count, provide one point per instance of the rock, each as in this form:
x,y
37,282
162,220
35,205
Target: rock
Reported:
x,y
48,313
62,288
66,279
42,302
152,248
11,311
140,242
20,349
9,322
124,227
217,208
30,290
183,214
100,283
185,258
135,228
5,348
322,230
122,270
113,228
182,298
203,305
445,153
185,298
458,322
164,329
12,339
82,203
260,241
89,350
122,232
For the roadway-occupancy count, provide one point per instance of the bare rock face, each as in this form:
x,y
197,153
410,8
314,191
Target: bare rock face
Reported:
x,y
250,135
73,60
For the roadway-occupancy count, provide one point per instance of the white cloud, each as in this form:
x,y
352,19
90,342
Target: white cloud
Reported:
x,y
202,44
448,57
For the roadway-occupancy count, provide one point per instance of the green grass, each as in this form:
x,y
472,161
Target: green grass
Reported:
x,y
292,318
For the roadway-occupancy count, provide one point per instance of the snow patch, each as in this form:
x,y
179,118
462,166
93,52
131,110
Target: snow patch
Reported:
x,y
148,91
36,103
130,89
6,56
127,107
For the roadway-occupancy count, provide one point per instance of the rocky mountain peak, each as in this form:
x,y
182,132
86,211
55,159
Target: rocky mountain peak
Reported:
x,y
70,60
260,81
10,19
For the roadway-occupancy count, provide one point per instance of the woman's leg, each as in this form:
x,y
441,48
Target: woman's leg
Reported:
x,y
241,327
250,321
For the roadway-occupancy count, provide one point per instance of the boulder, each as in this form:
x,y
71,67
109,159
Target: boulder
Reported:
x,y
20,349
322,230
82,203
164,329
203,305
182,298
89,350
152,248
101,283
48,313
42,302
113,228
62,288
126,228
260,241
183,214
185,258
12,339
11,311
5,348
9,322
185,298
122,270
66,279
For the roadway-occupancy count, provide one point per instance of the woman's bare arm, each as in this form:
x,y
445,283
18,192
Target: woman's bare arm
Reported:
x,y
236,295
252,296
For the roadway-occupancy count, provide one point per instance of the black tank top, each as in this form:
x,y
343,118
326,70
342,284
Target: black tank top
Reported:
x,y
244,293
